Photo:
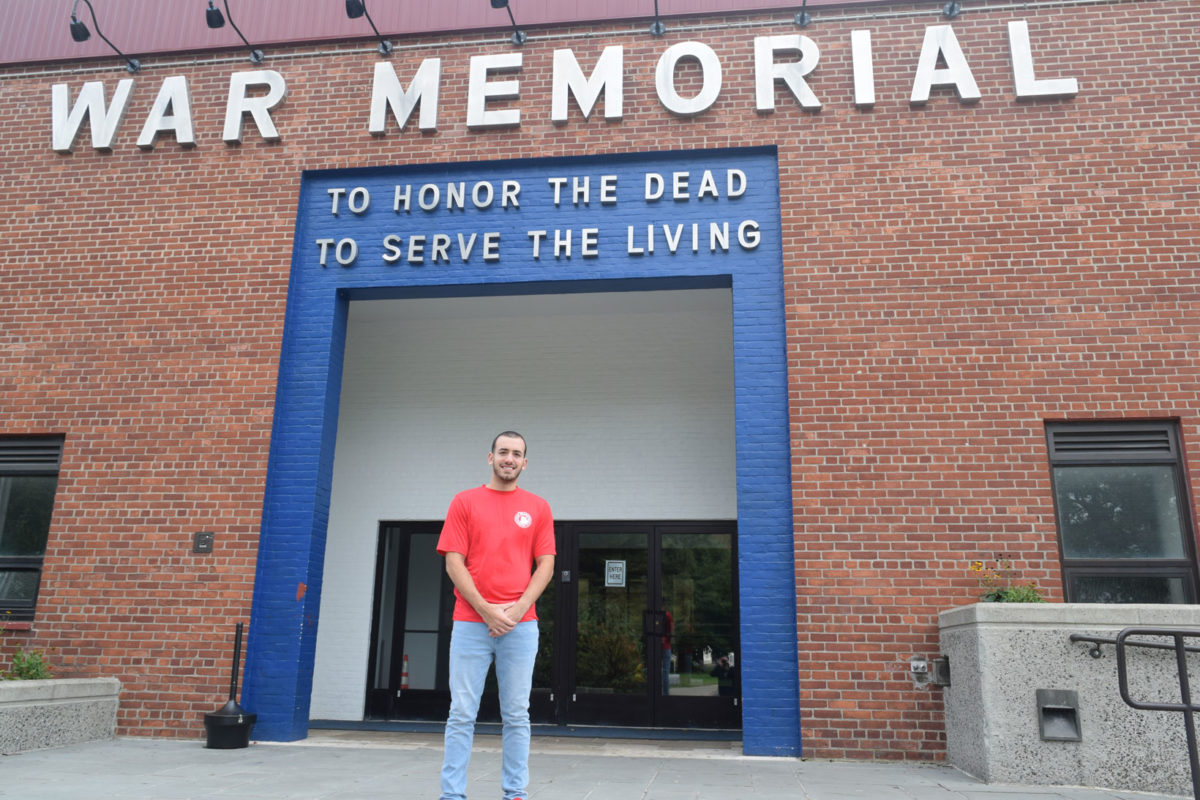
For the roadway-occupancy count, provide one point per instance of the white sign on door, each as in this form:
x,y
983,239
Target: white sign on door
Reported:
x,y
614,574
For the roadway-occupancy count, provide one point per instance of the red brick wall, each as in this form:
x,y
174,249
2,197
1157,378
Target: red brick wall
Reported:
x,y
956,274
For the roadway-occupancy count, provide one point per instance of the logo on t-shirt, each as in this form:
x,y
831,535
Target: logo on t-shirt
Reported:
x,y
523,519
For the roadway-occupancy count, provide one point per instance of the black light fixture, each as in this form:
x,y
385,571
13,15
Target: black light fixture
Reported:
x,y
952,9
80,33
215,19
357,8
518,36
658,28
803,18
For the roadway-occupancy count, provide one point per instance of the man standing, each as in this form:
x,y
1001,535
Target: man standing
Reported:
x,y
498,541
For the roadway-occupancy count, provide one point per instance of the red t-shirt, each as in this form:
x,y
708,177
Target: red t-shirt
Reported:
x,y
501,534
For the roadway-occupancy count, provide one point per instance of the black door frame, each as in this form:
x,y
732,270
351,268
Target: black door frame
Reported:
x,y
560,704
654,709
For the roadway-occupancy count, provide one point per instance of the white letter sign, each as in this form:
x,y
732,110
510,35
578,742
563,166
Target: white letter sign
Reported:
x,y
90,102
387,93
257,107
941,39
664,78
1022,65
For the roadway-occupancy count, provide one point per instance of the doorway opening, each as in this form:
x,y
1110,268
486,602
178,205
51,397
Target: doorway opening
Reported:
x,y
638,629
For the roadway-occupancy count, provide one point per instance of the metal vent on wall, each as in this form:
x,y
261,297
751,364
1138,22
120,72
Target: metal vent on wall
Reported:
x,y
30,455
1086,440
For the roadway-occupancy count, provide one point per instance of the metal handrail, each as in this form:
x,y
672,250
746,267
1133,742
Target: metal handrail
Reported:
x,y
1096,652
1187,706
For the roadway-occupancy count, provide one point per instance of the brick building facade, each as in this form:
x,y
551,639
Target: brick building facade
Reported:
x,y
937,280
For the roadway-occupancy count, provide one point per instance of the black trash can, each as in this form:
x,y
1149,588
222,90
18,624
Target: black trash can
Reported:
x,y
228,728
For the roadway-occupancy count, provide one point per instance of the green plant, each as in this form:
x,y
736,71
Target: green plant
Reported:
x,y
27,665
998,584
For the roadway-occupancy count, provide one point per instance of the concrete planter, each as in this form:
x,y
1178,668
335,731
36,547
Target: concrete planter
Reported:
x,y
35,715
1001,654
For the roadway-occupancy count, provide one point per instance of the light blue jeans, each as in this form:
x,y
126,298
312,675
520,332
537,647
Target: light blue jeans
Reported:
x,y
471,653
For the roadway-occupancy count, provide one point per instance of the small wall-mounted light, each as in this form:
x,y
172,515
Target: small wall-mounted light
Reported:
x,y
215,19
803,18
658,28
951,9
358,8
80,33
518,36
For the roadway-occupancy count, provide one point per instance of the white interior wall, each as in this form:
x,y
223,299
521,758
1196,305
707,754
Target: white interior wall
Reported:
x,y
625,399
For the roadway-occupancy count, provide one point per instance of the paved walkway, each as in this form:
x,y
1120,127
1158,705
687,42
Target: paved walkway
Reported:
x,y
345,765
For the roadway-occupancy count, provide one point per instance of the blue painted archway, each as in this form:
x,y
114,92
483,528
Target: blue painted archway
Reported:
x,y
611,223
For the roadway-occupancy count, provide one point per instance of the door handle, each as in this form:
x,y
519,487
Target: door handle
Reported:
x,y
654,623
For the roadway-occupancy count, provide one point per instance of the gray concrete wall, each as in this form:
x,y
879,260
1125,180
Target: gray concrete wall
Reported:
x,y
35,715
1002,653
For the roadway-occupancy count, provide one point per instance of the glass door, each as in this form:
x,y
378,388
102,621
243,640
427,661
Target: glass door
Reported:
x,y
700,687
655,636
638,629
612,668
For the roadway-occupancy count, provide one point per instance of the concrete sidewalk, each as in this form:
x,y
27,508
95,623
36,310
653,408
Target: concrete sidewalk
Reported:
x,y
353,765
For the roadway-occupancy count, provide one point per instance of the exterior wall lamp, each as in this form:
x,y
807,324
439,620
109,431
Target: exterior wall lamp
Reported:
x,y
518,36
356,9
80,33
658,28
215,19
803,18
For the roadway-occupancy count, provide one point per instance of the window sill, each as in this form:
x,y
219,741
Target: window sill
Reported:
x,y
16,626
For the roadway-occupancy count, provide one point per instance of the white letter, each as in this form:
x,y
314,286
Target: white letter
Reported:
x,y
484,199
324,245
402,198
465,246
173,95
588,242
557,184
537,237
679,185
491,246
654,186
104,122
735,183
428,197
351,248
509,192
440,249
568,76
479,91
941,39
664,78
359,200
766,71
392,243
1022,67
336,194
258,107
387,92
630,247
748,234
864,69
416,249
608,189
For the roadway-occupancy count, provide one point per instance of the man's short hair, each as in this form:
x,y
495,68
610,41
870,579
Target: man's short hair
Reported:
x,y
511,435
